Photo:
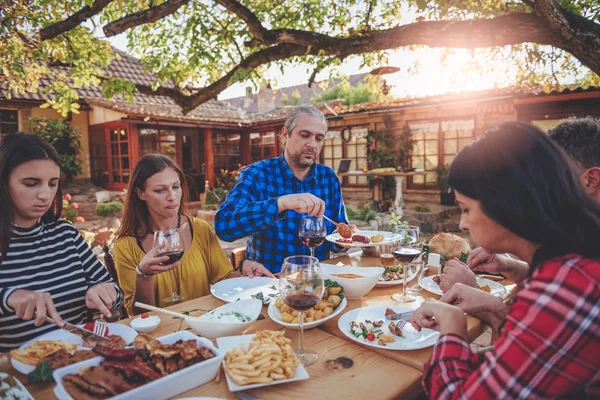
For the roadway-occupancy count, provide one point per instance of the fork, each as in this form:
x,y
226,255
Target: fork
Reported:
x,y
100,326
401,324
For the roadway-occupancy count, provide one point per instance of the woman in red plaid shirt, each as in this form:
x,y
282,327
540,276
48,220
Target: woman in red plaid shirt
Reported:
x,y
518,194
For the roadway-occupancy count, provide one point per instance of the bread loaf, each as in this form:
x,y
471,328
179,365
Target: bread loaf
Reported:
x,y
449,245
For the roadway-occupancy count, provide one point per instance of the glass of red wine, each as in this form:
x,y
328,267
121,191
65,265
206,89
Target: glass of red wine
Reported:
x,y
301,286
312,232
169,243
407,248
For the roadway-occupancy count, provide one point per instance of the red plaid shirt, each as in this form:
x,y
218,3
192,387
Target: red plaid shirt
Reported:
x,y
549,346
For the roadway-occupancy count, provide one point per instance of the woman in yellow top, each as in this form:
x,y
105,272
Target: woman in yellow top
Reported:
x,y
157,201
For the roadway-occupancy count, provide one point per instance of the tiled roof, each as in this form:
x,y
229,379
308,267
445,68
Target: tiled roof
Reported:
x,y
250,103
130,68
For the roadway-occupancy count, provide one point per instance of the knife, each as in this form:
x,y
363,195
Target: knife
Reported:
x,y
84,333
395,317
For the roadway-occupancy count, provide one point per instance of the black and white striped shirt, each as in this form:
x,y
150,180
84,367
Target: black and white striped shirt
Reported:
x,y
51,258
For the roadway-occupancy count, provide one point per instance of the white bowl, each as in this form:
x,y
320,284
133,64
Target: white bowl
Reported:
x,y
214,328
275,315
145,325
355,288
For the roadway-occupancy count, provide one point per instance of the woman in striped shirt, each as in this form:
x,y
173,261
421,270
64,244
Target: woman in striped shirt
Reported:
x,y
46,268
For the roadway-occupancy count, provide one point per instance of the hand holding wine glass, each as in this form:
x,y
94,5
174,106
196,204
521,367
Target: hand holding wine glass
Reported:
x,y
301,286
169,244
312,232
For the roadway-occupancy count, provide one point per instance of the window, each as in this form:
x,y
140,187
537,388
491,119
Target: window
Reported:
x,y
262,145
148,140
119,155
9,122
227,153
334,149
436,143
98,158
168,143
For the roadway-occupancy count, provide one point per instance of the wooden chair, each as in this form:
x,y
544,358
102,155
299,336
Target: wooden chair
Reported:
x,y
109,263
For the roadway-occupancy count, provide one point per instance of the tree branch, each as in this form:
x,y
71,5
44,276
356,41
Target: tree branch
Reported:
x,y
259,32
151,14
58,28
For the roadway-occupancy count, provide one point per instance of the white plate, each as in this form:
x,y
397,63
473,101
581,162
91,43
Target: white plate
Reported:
x,y
395,282
413,340
127,333
387,238
243,288
165,387
19,385
275,315
233,342
428,284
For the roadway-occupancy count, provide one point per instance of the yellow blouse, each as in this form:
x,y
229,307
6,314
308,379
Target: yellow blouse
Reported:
x,y
203,264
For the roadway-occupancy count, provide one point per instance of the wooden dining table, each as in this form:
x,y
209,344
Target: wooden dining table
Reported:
x,y
388,373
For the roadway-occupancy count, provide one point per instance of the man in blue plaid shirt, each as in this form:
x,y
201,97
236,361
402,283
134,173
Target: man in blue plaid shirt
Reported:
x,y
270,197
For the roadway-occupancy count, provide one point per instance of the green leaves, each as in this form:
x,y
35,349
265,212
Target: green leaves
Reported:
x,y
41,374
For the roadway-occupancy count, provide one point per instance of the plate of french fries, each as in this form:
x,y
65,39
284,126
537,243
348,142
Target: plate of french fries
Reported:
x,y
26,358
265,358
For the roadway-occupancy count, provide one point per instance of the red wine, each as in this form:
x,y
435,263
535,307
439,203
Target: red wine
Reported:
x,y
301,301
406,254
312,241
173,256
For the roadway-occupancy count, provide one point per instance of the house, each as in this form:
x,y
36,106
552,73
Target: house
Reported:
x,y
223,135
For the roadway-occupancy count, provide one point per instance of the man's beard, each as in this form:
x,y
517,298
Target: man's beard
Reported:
x,y
297,159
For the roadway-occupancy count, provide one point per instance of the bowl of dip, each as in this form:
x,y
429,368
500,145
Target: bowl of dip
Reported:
x,y
145,323
227,320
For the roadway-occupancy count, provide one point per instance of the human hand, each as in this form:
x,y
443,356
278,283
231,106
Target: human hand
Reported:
x,y
28,304
252,268
101,297
152,265
455,272
472,300
481,260
303,203
440,316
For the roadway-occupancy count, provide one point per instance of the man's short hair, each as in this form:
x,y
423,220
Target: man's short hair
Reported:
x,y
580,139
294,113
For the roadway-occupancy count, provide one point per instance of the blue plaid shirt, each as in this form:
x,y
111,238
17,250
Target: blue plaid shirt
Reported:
x,y
251,210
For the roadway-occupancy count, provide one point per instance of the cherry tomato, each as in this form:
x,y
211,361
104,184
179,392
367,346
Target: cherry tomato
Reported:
x,y
370,337
145,315
89,326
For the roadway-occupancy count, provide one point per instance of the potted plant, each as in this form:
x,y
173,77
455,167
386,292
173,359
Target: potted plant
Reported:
x,y
447,197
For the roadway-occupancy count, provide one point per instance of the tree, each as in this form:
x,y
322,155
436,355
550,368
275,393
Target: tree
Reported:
x,y
361,93
188,44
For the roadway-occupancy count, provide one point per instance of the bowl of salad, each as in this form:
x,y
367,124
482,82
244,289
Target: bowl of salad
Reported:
x,y
227,320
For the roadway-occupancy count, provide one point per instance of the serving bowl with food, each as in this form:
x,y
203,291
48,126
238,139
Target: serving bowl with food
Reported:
x,y
229,319
145,323
11,388
356,281
333,303
152,369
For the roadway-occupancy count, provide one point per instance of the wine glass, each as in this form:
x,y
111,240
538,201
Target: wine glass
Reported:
x,y
312,232
406,250
301,286
169,243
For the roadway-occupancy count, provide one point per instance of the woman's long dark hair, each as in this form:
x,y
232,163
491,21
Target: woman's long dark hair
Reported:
x,y
136,215
16,149
527,184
